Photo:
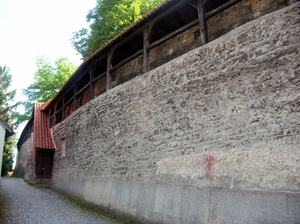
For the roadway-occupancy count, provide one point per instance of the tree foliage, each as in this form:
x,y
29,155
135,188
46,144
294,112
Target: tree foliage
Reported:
x,y
6,96
8,156
6,112
107,19
48,79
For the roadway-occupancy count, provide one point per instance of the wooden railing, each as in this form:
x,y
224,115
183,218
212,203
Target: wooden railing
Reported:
x,y
59,104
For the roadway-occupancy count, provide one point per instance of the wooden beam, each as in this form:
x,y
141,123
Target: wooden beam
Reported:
x,y
55,115
75,95
109,67
82,89
146,66
138,31
127,60
69,101
193,5
221,8
101,57
99,77
121,53
202,22
63,114
146,45
169,36
91,71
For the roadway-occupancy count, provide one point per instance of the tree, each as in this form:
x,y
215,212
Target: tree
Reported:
x,y
6,96
6,111
7,159
48,80
107,19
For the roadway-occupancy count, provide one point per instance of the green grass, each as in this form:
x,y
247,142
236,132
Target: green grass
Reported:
x,y
28,182
16,176
86,207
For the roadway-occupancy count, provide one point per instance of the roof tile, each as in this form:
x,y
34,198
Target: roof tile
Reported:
x,y
42,136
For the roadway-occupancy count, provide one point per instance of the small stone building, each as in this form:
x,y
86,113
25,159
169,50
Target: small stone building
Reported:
x,y
35,148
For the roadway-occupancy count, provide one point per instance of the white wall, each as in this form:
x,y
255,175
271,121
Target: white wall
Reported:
x,y
2,137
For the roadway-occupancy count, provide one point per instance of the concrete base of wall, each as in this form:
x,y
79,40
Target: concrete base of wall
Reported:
x,y
158,203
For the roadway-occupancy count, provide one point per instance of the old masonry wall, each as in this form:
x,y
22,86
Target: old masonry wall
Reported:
x,y
210,137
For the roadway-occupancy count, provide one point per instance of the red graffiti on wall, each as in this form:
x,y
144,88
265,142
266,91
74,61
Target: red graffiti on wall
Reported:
x,y
209,164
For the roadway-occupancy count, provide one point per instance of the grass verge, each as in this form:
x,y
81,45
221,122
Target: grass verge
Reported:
x,y
28,182
86,207
16,176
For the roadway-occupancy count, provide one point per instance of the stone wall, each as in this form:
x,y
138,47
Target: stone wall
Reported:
x,y
210,137
30,162
238,14
22,158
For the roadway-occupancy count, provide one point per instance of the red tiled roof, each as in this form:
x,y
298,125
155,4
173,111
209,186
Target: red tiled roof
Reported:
x,y
41,130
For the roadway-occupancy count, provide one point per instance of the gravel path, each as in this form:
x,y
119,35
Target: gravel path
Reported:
x,y
24,204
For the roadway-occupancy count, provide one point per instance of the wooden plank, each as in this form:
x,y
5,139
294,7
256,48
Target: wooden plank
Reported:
x,y
109,67
202,22
169,36
221,8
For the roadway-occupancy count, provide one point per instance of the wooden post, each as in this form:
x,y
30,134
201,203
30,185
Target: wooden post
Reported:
x,y
146,35
109,67
91,71
55,114
202,22
75,95
63,113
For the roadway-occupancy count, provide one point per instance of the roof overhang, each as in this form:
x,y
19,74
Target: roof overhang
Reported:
x,y
8,130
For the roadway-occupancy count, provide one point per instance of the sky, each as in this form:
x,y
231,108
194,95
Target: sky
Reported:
x,y
31,28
